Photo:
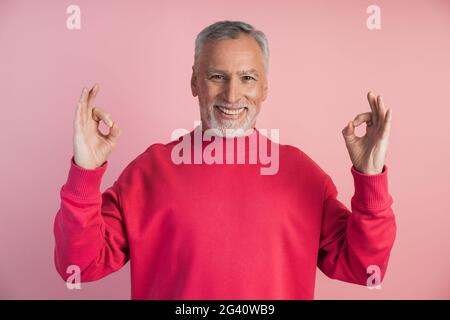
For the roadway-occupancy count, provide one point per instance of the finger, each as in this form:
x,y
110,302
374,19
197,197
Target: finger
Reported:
x,y
81,110
381,109
363,117
99,114
373,106
92,94
387,124
77,118
349,133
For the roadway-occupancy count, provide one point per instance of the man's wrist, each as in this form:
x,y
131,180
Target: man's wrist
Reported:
x,y
84,182
371,191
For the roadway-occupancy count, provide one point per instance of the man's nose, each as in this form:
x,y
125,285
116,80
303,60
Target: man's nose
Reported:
x,y
233,91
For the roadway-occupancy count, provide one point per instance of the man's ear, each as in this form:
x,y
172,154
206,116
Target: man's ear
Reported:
x,y
194,88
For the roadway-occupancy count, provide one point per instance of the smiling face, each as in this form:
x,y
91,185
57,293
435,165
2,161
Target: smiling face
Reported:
x,y
230,82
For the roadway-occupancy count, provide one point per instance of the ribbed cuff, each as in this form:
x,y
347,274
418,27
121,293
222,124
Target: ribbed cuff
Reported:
x,y
371,191
84,183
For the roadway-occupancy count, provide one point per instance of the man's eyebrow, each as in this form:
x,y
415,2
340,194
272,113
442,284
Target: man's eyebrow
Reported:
x,y
249,71
216,71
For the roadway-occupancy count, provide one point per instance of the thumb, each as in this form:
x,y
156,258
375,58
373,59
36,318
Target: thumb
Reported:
x,y
114,133
99,114
349,133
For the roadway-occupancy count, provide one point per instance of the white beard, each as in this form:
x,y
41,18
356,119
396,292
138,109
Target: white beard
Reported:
x,y
229,128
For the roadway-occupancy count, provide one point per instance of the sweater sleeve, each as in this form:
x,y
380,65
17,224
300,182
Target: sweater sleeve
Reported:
x,y
350,242
89,228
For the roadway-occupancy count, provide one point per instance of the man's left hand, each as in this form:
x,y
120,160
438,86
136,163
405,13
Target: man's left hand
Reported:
x,y
368,153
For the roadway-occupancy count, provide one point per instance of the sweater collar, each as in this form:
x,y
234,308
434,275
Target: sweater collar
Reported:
x,y
237,145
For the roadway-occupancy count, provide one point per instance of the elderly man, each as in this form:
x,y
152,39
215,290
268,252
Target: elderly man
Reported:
x,y
220,230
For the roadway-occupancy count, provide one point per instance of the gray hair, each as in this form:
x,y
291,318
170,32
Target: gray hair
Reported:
x,y
231,30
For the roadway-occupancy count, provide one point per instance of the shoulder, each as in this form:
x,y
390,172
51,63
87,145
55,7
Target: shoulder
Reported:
x,y
301,159
146,162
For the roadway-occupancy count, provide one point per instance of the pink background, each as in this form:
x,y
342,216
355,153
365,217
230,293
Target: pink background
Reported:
x,y
323,62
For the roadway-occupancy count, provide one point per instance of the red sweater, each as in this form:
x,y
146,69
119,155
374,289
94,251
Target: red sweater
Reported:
x,y
222,231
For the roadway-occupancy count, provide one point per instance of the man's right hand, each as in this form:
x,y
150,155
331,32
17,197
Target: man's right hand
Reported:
x,y
91,147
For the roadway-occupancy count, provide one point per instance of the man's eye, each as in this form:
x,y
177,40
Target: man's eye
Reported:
x,y
217,77
248,78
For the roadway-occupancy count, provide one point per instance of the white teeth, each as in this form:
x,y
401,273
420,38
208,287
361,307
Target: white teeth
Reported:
x,y
230,111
